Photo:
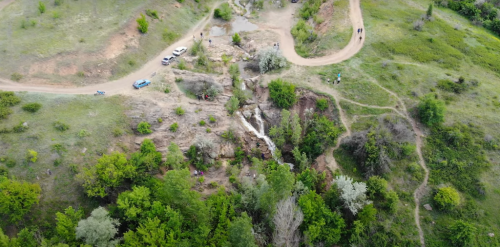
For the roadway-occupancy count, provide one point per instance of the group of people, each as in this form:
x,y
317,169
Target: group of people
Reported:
x,y
277,45
201,36
196,173
360,30
338,79
202,96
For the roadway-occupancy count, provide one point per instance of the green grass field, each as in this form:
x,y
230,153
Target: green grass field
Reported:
x,y
93,123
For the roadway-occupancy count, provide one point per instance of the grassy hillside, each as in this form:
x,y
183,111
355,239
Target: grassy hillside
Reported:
x,y
88,41
95,123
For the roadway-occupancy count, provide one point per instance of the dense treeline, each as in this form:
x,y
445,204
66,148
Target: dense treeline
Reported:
x,y
480,12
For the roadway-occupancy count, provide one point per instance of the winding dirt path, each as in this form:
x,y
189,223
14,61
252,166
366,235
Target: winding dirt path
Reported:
x,y
280,22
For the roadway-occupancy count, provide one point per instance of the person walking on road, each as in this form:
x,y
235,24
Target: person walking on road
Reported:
x,y
358,30
360,38
278,45
201,35
209,42
338,81
361,30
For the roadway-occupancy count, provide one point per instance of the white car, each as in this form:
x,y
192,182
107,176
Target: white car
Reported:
x,y
167,60
179,50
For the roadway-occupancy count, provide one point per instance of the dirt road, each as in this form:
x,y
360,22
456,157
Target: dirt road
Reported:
x,y
281,22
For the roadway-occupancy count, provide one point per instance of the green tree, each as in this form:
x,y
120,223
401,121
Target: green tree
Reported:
x,y
175,157
281,181
224,12
240,233
236,39
320,224
177,193
447,198
17,198
4,240
66,224
109,172
221,208
154,232
282,93
232,105
429,10
431,111
25,238
134,203
392,201
147,159
300,159
462,233
296,133
143,24
144,128
357,233
376,186
41,7
98,229
367,215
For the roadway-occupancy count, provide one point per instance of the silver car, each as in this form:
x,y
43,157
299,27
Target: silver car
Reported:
x,y
179,50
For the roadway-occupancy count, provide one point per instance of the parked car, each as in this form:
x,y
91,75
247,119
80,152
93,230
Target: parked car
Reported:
x,y
294,1
141,83
179,50
167,60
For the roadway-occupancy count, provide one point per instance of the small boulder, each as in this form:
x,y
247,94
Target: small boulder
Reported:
x,y
428,207
491,234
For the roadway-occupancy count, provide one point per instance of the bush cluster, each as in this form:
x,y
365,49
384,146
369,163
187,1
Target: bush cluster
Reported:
x,y
32,107
143,24
60,126
144,128
482,12
282,93
224,12
271,59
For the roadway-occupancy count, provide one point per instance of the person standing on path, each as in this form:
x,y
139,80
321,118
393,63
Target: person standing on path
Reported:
x,y
358,30
195,173
328,80
209,42
201,35
360,38
361,30
338,82
278,44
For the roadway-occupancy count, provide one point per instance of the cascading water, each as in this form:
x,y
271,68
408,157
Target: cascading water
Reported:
x,y
260,133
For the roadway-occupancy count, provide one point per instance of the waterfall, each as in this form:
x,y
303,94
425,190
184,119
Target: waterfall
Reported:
x,y
260,133
243,86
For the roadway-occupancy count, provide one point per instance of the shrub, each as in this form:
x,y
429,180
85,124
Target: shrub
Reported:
x,y
117,132
31,156
271,59
57,162
167,89
418,24
83,133
431,111
208,130
310,8
41,7
232,105
169,36
197,48
32,107
447,198
392,201
19,128
234,71
321,104
8,99
224,12
182,64
179,111
58,2
152,13
16,76
144,128
174,127
377,186
462,233
303,32
450,86
202,123
160,120
143,24
229,135
5,112
236,39
282,93
179,79
60,126
211,119
10,162
225,58
56,15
